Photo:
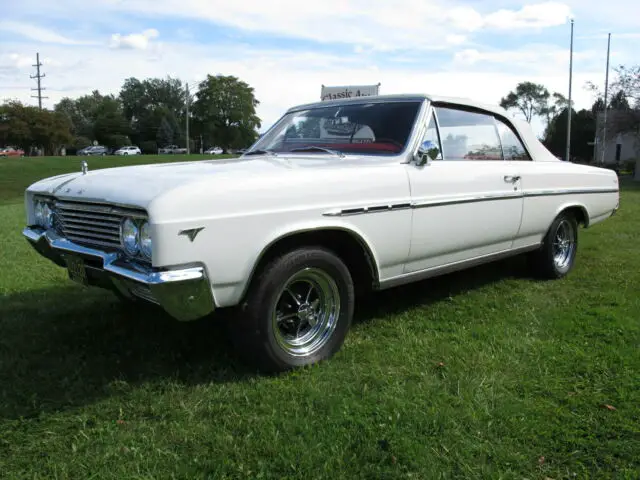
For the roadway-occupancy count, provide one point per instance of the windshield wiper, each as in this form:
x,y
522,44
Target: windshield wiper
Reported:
x,y
260,152
315,147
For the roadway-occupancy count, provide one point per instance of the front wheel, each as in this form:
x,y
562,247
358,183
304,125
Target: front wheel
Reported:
x,y
556,257
298,310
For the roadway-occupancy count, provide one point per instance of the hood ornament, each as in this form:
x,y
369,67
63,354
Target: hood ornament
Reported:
x,y
85,167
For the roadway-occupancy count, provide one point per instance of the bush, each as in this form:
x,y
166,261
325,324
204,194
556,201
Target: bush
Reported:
x,y
149,147
116,141
629,166
78,144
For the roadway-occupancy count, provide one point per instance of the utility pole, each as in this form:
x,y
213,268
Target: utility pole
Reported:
x,y
187,118
38,76
606,92
568,154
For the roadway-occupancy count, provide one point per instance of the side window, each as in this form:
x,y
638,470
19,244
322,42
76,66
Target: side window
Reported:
x,y
431,138
468,135
511,145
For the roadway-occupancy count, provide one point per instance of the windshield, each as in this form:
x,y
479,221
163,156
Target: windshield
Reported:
x,y
373,128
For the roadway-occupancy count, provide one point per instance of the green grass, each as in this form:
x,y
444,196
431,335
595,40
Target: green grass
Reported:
x,y
480,374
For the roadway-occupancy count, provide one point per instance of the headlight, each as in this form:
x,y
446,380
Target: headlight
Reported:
x,y
47,216
39,211
129,235
145,240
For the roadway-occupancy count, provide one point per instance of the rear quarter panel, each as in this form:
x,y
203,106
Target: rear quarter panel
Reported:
x,y
551,187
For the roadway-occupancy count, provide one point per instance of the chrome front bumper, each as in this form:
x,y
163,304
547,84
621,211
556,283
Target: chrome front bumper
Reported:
x,y
185,294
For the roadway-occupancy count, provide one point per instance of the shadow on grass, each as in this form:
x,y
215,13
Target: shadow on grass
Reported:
x,y
436,289
67,346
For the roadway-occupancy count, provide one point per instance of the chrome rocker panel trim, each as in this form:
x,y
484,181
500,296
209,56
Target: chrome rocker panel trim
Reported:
x,y
185,294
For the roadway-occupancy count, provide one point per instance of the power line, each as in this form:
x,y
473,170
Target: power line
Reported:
x,y
38,76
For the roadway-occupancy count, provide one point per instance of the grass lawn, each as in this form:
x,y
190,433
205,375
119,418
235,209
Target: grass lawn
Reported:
x,y
479,374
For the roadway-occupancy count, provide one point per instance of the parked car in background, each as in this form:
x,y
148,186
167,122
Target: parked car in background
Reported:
x,y
214,151
131,150
94,150
172,150
11,152
366,193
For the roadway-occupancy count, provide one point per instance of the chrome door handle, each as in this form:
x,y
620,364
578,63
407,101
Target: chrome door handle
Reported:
x,y
511,178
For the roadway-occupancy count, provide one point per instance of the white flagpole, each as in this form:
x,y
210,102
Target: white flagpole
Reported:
x,y
567,155
606,97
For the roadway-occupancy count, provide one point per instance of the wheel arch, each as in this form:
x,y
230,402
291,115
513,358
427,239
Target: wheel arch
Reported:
x,y
578,210
345,242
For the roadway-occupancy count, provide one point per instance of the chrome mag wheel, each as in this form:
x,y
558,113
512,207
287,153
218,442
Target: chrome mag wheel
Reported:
x,y
564,244
306,312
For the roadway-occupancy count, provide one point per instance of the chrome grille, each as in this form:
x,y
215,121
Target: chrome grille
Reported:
x,y
91,223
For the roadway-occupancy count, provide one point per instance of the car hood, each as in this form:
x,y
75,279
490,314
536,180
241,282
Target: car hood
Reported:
x,y
139,185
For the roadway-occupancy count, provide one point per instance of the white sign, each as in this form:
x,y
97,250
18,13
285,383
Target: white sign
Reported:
x,y
349,91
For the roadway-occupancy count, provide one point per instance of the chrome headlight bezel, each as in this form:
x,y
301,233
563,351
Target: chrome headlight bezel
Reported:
x,y
39,212
44,212
146,241
130,236
135,238
47,219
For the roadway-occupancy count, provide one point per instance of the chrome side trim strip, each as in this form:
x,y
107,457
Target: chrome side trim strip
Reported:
x,y
338,212
452,267
552,193
458,201
367,209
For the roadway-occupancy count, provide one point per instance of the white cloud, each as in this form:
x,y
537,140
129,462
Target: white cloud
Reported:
x,y
283,78
378,24
454,39
15,60
136,41
39,34
432,46
548,14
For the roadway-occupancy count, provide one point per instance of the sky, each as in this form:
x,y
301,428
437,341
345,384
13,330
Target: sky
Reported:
x,y
287,49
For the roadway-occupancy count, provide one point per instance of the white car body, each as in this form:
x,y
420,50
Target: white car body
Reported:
x,y
214,151
132,150
213,221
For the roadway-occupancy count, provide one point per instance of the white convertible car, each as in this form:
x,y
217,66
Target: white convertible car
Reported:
x,y
337,197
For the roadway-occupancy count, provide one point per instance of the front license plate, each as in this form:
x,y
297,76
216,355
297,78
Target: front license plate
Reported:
x,y
77,272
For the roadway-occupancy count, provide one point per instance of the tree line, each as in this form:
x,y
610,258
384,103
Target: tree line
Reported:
x,y
534,100
149,113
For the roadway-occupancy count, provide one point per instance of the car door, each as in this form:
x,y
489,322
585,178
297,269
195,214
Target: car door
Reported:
x,y
467,202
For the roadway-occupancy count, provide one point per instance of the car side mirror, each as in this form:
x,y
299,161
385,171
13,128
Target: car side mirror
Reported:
x,y
427,152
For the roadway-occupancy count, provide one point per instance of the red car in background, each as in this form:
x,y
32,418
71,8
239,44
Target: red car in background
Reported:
x,y
11,152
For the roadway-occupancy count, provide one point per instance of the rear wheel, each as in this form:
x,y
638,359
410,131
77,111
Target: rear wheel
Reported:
x,y
298,310
556,257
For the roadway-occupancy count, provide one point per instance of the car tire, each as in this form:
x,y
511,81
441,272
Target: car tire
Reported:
x,y
311,291
556,256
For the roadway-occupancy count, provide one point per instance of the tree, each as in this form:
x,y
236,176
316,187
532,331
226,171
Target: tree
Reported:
x,y
27,126
165,133
225,112
625,102
628,80
95,116
146,103
583,130
530,98
619,101
550,110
